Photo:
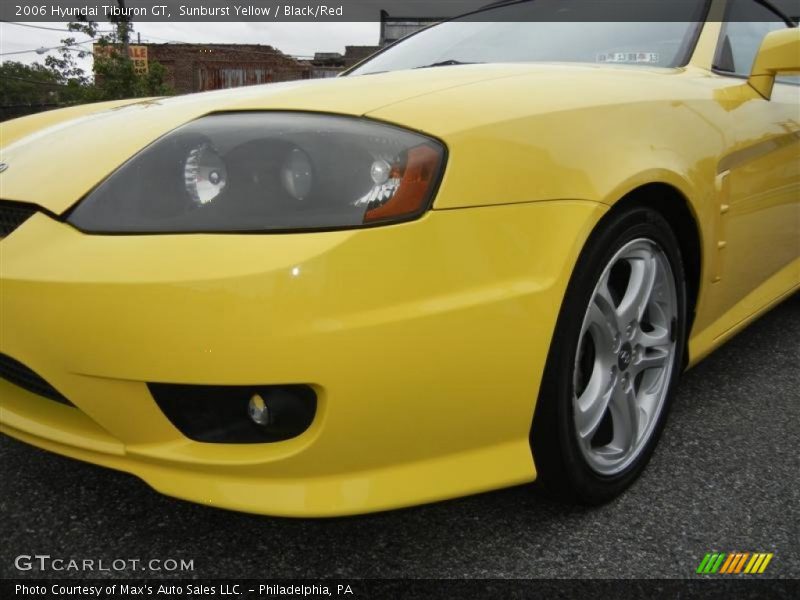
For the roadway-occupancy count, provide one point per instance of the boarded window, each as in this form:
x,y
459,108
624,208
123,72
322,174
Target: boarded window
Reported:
x,y
223,76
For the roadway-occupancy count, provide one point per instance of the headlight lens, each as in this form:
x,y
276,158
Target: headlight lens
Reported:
x,y
245,172
296,174
204,173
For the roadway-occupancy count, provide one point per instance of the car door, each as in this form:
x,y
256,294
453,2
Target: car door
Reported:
x,y
759,178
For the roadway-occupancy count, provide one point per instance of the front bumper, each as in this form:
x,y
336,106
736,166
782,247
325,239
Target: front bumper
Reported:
x,y
424,342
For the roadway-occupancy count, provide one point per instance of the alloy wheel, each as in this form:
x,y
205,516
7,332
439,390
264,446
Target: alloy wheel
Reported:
x,y
625,357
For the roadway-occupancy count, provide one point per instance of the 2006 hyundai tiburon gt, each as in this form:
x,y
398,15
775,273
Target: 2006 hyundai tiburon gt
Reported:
x,y
408,283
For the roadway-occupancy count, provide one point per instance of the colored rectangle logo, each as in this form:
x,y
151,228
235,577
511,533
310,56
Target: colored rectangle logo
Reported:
x,y
734,563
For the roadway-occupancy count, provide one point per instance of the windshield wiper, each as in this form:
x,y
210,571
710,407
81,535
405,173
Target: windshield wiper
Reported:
x,y
446,63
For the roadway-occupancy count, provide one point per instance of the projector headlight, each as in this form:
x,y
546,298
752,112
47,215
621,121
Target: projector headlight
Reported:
x,y
268,171
204,174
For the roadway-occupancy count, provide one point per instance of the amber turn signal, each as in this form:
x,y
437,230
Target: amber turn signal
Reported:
x,y
416,188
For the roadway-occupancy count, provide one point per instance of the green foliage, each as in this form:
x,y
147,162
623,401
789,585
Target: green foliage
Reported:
x,y
29,85
153,82
114,74
64,65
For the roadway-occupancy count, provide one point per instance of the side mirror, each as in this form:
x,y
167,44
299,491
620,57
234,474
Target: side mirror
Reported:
x,y
779,53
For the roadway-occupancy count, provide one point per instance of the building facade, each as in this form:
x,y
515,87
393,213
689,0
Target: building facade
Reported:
x,y
202,67
330,64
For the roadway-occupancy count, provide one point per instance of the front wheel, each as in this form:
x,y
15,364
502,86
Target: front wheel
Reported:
x,y
614,361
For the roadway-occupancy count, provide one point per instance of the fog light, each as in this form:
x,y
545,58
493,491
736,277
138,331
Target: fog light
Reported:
x,y
236,414
259,411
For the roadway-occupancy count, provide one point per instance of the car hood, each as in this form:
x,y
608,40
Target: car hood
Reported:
x,y
53,159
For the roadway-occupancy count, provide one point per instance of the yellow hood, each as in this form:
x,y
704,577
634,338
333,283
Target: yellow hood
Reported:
x,y
55,158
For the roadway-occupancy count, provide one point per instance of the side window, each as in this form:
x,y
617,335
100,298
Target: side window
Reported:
x,y
746,25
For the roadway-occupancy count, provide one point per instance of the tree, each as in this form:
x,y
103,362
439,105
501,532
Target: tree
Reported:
x,y
26,89
64,66
26,85
115,75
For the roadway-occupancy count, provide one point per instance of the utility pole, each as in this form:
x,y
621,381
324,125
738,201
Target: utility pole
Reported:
x,y
124,29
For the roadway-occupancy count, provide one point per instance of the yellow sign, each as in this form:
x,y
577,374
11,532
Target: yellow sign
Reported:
x,y
137,54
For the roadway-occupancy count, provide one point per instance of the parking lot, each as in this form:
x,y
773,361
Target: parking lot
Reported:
x,y
724,478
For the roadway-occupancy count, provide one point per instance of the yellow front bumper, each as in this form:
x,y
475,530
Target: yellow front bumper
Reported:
x,y
424,341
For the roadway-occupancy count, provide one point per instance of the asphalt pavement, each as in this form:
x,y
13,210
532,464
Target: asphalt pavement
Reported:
x,y
725,477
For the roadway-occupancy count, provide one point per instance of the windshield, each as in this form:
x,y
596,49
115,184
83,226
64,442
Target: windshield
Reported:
x,y
544,30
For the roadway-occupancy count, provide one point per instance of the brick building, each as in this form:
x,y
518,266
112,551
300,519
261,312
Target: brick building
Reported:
x,y
330,64
201,67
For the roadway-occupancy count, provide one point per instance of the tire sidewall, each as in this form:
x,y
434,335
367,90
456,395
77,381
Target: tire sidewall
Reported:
x,y
577,477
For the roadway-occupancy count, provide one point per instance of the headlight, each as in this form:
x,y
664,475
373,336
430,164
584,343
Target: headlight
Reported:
x,y
204,173
268,171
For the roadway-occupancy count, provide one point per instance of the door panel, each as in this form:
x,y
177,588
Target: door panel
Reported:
x,y
761,191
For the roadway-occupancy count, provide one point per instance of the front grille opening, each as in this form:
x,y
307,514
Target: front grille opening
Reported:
x,y
15,372
237,414
12,215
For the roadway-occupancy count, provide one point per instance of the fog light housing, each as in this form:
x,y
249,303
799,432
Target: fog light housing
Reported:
x,y
237,414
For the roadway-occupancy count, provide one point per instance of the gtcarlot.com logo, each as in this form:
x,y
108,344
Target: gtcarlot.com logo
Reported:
x,y
45,562
734,563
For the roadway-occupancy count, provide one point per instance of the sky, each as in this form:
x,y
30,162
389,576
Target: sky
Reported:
x,y
300,39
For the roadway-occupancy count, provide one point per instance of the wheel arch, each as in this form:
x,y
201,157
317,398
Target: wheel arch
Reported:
x,y
672,204
676,209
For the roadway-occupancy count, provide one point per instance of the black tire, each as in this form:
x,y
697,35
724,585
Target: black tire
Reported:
x,y
561,467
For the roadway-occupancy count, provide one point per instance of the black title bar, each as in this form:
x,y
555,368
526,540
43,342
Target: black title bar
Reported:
x,y
407,589
376,10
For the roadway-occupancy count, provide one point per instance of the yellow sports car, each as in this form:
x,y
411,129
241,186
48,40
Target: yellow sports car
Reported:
x,y
480,258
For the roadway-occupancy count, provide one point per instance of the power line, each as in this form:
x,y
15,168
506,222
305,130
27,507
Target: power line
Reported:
x,y
18,52
43,50
34,81
33,26
146,37
49,28
153,37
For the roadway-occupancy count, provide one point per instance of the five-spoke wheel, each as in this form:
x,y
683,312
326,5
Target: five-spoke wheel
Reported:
x,y
624,358
614,360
